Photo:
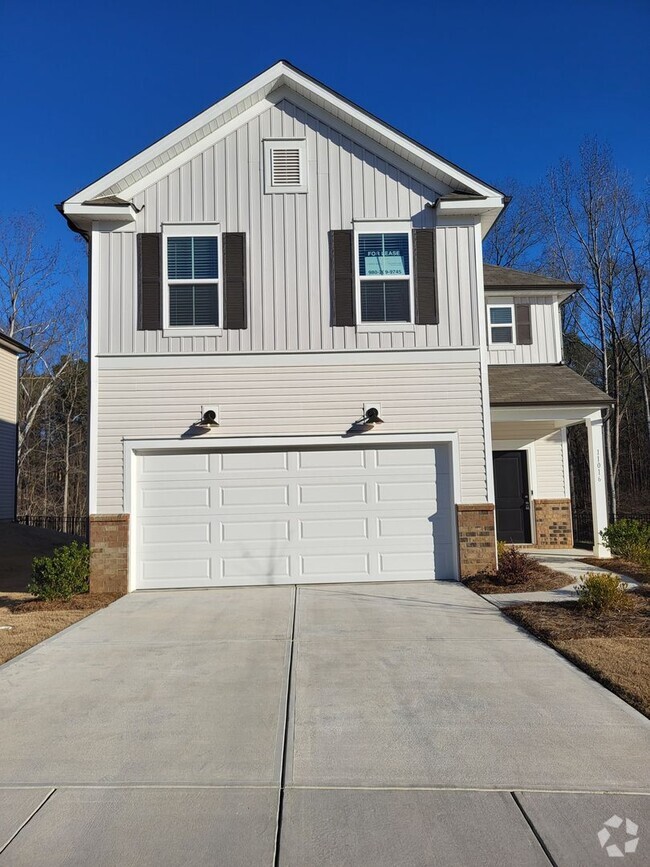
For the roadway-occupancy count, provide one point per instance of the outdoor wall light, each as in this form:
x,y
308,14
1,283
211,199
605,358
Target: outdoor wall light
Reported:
x,y
209,418
371,417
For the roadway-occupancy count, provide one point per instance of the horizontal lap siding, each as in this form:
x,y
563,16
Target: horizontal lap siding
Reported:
x,y
289,400
287,236
544,349
8,413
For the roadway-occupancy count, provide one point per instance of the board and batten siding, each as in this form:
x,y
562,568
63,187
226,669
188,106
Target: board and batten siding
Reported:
x,y
8,416
546,347
549,445
266,400
287,240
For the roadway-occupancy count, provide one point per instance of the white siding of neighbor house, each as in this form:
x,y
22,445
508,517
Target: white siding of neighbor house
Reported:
x,y
149,402
549,447
8,416
546,347
287,237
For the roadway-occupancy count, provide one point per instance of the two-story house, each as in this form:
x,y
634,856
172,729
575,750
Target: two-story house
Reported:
x,y
301,370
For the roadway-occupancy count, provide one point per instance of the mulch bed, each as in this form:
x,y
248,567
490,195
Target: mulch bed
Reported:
x,y
624,567
613,647
541,578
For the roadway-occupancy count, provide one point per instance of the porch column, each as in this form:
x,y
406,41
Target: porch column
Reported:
x,y
597,481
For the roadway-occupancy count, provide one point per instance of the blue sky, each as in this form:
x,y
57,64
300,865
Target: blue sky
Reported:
x,y
503,89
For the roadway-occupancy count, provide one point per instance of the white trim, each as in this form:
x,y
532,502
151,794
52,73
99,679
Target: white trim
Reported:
x,y
557,327
560,416
247,97
134,447
313,358
597,482
380,227
565,463
271,144
93,410
192,230
484,360
490,325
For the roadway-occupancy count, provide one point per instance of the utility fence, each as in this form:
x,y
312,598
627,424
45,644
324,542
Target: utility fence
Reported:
x,y
74,525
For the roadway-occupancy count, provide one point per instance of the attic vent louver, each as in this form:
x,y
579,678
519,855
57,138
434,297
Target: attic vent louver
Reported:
x,y
285,167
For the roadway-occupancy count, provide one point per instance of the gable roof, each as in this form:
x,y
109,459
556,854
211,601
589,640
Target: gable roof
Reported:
x,y
282,74
542,385
497,277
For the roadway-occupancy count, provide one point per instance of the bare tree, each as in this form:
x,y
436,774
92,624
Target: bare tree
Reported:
x,y
42,304
515,239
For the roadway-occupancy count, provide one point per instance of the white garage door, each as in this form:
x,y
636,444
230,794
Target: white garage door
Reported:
x,y
207,518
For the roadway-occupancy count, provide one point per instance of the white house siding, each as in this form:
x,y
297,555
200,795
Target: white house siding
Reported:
x,y
549,450
136,400
288,268
546,347
8,415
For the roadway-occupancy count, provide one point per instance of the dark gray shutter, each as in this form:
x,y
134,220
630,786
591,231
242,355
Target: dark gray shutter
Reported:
x,y
522,320
235,312
424,268
342,276
149,282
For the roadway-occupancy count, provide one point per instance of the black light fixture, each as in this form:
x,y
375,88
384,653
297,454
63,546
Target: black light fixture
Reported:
x,y
372,416
368,420
209,419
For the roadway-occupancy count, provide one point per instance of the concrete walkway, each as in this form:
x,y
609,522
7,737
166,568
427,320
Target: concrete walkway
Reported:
x,y
566,562
367,724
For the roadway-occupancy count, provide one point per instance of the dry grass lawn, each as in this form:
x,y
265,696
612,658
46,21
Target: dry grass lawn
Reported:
x,y
614,648
32,621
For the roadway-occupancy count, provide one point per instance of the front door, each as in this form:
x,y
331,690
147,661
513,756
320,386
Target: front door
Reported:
x,y
511,495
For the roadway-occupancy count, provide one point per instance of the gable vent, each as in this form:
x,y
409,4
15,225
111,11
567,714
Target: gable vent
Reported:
x,y
285,167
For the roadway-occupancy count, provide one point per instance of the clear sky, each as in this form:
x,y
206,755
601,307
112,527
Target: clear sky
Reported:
x,y
503,89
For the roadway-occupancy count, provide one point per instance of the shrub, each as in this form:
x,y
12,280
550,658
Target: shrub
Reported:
x,y
502,547
514,566
63,574
603,591
629,539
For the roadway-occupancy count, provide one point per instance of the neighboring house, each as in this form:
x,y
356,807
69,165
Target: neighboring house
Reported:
x,y
10,352
272,270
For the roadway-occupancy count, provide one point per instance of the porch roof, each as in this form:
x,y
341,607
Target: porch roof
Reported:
x,y
542,385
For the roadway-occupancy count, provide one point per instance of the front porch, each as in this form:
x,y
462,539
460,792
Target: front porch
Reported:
x,y
532,406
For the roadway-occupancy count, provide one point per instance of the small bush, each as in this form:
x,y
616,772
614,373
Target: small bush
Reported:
x,y
602,591
629,539
514,567
502,547
62,575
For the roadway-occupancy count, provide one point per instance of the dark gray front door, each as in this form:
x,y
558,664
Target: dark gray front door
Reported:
x,y
511,495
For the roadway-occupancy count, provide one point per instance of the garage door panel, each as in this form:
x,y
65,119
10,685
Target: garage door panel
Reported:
x,y
159,498
253,462
338,514
332,494
254,495
333,529
175,532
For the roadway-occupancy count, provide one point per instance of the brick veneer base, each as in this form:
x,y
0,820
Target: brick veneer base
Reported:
x,y
109,553
553,524
476,538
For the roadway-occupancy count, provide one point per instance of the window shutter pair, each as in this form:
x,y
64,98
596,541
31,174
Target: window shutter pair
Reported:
x,y
342,277
524,333
150,281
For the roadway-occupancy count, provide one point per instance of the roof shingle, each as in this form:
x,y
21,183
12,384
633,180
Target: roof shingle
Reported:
x,y
542,385
496,277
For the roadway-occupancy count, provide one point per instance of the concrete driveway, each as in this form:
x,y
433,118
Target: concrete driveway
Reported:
x,y
367,724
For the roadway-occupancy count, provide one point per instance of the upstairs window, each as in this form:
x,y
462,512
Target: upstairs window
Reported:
x,y
501,323
192,267
285,166
384,277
